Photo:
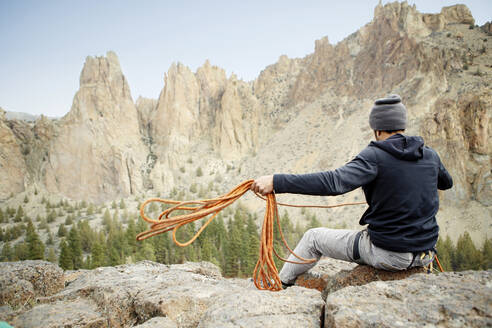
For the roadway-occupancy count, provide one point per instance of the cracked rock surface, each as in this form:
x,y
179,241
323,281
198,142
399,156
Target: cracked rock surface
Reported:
x,y
149,294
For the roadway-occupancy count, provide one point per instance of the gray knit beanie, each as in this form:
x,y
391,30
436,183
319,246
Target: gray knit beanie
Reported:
x,y
388,114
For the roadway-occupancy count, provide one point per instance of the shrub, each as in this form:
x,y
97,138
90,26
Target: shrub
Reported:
x,y
199,172
69,220
51,217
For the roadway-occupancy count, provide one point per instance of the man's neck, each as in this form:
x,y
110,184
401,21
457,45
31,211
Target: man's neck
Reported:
x,y
383,135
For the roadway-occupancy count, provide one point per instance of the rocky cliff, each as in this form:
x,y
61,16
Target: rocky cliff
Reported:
x,y
148,294
299,115
98,153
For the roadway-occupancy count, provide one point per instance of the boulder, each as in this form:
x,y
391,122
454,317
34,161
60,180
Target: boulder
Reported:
x,y
76,313
330,275
179,295
321,275
452,299
157,322
248,307
22,282
148,294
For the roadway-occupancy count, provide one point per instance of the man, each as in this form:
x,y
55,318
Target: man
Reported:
x,y
400,178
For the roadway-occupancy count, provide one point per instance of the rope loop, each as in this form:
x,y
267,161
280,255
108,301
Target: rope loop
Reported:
x,y
265,274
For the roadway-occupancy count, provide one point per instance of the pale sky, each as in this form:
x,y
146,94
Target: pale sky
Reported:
x,y
44,43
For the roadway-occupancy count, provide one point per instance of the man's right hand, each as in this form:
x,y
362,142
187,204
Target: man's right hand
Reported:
x,y
263,185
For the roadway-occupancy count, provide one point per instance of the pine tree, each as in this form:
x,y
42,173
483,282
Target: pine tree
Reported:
x,y
467,256
122,204
114,257
26,199
21,251
66,259
6,253
68,220
43,224
52,255
221,241
278,245
19,215
107,219
11,211
232,261
62,231
75,248
206,250
146,252
51,217
116,216
97,255
125,216
34,243
445,253
131,234
162,245
50,240
487,255
240,222
86,234
1,216
253,245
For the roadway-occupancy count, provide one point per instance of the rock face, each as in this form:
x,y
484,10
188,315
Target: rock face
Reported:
x,y
11,176
444,300
98,153
148,294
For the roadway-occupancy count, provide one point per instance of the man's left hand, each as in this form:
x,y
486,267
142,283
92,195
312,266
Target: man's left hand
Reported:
x,y
263,185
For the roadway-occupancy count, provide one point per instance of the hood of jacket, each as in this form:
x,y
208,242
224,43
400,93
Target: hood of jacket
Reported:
x,y
402,147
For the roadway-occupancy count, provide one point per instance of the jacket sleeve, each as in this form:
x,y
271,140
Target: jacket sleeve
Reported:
x,y
358,172
444,180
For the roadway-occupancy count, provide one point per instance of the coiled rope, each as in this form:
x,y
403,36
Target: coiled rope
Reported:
x,y
265,274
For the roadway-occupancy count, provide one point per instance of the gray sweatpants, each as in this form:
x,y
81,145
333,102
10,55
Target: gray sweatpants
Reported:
x,y
338,244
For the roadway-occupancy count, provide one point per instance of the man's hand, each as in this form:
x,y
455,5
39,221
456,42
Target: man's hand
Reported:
x,y
263,185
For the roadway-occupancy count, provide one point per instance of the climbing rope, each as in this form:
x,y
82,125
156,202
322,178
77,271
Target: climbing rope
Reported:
x,y
265,274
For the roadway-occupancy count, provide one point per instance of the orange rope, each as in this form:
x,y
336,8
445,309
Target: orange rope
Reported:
x,y
265,274
438,263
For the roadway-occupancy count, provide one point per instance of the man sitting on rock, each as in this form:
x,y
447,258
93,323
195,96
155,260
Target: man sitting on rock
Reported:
x,y
400,178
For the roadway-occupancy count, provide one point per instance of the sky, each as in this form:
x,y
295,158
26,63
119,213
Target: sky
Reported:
x,y
43,44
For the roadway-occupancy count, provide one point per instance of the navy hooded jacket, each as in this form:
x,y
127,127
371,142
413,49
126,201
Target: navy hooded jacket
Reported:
x,y
400,178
